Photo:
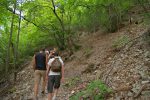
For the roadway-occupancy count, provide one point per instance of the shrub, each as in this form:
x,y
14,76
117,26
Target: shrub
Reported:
x,y
120,42
88,52
73,81
96,90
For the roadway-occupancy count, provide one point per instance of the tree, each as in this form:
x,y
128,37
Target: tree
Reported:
x,y
10,39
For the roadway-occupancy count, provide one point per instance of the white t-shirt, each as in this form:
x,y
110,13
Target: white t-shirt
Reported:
x,y
50,62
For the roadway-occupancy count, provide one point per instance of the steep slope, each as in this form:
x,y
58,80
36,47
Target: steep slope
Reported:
x,y
125,71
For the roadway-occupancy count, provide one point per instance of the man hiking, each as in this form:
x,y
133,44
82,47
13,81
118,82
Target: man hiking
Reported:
x,y
55,75
39,65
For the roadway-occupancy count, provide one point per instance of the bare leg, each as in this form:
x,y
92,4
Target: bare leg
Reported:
x,y
36,84
49,96
43,85
36,89
55,93
44,81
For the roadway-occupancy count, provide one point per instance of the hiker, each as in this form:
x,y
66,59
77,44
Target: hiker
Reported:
x,y
39,66
47,51
51,52
55,75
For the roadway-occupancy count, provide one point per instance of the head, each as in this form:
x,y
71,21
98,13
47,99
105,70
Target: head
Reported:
x,y
42,50
54,49
55,54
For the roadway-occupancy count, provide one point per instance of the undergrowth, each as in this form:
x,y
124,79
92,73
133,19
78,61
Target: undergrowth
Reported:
x,y
96,90
120,42
73,81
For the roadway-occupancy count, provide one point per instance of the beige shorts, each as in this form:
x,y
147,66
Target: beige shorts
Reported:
x,y
38,74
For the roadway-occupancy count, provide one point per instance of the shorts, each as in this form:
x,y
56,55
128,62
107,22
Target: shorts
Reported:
x,y
53,82
38,74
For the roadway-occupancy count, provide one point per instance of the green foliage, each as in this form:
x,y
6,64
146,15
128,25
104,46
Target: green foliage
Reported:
x,y
147,37
12,90
73,81
44,25
120,42
95,90
88,51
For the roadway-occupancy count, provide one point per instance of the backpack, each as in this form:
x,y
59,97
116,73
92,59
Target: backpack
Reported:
x,y
56,65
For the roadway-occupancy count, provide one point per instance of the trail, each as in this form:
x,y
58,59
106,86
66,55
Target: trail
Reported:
x,y
97,50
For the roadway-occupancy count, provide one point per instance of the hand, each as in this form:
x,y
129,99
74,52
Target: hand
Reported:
x,y
62,79
46,77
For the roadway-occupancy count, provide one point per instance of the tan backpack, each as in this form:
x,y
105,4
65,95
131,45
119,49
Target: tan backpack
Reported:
x,y
56,65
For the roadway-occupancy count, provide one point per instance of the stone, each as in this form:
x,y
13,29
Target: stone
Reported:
x,y
145,82
145,93
135,90
130,94
72,92
118,98
147,54
111,98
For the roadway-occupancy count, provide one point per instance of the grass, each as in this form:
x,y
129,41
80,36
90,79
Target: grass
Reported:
x,y
73,81
120,42
88,52
96,90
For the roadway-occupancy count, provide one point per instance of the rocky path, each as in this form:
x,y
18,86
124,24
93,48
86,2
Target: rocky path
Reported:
x,y
127,71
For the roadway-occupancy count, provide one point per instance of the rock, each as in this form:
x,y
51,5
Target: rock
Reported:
x,y
145,93
111,98
130,94
147,54
118,98
145,82
72,92
135,90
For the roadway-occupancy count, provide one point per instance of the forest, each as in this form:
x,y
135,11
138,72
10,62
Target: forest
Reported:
x,y
28,25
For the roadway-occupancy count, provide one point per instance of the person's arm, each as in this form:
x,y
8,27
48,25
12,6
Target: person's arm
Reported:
x,y
34,63
62,69
46,61
48,67
62,73
50,54
47,71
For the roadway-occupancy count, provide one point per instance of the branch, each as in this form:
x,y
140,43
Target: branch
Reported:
x,y
54,11
11,10
94,5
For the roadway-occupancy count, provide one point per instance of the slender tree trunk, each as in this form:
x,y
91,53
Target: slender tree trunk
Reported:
x,y
10,39
16,50
62,36
61,22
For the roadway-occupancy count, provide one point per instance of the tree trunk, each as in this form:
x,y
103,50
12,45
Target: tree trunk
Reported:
x,y
10,39
16,50
62,37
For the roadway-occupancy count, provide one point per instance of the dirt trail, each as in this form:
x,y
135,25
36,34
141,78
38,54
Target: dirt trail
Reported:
x,y
96,49
74,68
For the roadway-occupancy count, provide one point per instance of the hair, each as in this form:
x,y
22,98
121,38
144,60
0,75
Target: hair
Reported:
x,y
50,49
56,54
42,49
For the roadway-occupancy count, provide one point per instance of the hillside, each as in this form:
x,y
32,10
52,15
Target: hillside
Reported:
x,y
125,69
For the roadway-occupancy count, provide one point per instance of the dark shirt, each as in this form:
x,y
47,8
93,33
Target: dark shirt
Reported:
x,y
40,61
